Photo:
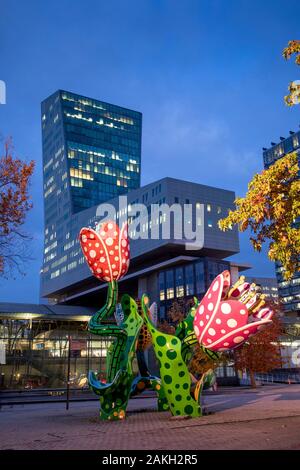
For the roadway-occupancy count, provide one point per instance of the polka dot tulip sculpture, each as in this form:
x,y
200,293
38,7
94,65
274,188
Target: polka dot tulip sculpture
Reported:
x,y
227,316
224,319
107,252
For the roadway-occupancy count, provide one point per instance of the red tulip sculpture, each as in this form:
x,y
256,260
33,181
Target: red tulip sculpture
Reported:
x,y
228,315
107,253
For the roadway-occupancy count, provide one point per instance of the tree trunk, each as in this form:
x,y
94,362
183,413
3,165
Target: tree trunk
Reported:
x,y
252,379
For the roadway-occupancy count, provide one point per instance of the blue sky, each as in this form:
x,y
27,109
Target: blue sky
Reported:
x,y
207,75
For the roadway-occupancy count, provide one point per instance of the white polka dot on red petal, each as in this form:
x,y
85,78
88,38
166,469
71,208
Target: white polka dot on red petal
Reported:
x,y
225,308
238,339
215,286
232,323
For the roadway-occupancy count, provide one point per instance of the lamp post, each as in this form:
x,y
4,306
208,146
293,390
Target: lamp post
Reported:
x,y
68,373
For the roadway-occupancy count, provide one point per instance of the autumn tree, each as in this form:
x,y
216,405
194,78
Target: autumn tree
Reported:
x,y
201,362
272,204
269,209
293,48
15,202
175,314
178,310
261,353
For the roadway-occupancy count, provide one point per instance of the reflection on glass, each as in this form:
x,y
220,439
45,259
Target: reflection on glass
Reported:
x,y
189,280
179,282
170,284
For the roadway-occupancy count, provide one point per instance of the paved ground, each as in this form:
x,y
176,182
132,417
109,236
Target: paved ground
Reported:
x,y
268,418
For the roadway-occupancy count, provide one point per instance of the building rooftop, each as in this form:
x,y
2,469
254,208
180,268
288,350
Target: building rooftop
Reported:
x,y
30,311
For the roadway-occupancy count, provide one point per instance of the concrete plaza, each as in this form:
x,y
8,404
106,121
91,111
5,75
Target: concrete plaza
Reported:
x,y
265,418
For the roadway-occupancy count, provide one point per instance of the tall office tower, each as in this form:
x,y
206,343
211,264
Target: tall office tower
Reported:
x,y
91,153
289,291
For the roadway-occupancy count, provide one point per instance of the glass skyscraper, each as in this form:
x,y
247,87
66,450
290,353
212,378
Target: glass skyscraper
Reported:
x,y
289,291
91,153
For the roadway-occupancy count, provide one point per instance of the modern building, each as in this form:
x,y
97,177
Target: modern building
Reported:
x,y
288,291
91,153
92,156
38,341
268,286
163,267
43,336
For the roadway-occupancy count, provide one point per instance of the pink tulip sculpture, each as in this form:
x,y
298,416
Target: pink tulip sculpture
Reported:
x,y
228,315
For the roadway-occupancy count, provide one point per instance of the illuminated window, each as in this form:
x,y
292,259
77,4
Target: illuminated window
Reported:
x,y
161,285
295,141
179,282
55,274
208,208
170,284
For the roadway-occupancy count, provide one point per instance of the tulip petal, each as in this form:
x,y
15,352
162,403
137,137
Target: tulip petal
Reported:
x,y
95,252
238,336
226,285
208,307
124,249
106,251
264,313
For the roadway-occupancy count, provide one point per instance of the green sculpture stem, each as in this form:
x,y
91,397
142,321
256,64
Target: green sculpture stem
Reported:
x,y
106,311
115,393
175,377
97,327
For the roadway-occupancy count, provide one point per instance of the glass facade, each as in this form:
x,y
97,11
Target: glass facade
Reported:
x,y
185,281
91,153
288,291
199,277
34,354
189,280
179,281
170,284
104,149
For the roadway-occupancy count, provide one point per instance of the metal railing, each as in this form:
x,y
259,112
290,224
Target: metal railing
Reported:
x,y
273,378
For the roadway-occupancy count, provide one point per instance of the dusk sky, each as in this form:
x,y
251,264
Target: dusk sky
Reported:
x,y
208,76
